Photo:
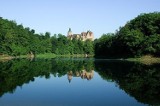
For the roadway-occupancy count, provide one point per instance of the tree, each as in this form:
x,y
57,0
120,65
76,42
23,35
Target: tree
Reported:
x,y
88,47
17,40
138,37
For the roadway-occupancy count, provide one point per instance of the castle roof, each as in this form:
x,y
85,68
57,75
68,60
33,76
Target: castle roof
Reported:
x,y
84,33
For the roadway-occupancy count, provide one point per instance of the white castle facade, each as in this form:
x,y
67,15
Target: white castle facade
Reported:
x,y
83,36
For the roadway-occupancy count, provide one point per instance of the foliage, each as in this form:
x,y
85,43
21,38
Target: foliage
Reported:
x,y
16,40
61,45
138,37
103,45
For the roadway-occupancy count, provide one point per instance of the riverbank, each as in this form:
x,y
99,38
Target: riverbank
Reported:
x,y
147,59
51,55
46,56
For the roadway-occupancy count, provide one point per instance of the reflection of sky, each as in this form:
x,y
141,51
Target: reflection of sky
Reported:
x,y
57,91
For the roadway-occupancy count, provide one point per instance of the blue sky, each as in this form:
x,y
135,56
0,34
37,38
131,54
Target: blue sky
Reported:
x,y
57,16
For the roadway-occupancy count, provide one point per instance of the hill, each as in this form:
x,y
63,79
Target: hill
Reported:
x,y
140,36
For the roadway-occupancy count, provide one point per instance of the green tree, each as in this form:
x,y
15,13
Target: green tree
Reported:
x,y
138,37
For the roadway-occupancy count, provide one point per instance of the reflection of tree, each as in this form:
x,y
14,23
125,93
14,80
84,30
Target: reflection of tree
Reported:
x,y
138,80
144,83
63,66
18,72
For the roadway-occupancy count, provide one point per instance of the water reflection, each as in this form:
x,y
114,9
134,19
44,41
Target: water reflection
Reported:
x,y
138,80
83,74
21,71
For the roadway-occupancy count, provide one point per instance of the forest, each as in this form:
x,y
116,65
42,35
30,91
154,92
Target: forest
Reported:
x,y
16,40
138,37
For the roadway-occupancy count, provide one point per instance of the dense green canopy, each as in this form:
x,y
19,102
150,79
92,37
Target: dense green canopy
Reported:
x,y
17,40
61,45
138,37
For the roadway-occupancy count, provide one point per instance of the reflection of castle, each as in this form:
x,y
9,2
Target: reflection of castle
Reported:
x,y
83,74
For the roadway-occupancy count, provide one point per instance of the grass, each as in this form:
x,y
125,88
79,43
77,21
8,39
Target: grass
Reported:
x,y
46,55
147,59
52,55
74,55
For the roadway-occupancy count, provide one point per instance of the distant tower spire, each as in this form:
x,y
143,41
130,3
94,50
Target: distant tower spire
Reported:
x,y
69,34
70,30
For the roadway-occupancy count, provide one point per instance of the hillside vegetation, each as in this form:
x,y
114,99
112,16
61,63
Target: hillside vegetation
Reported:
x,y
140,36
17,40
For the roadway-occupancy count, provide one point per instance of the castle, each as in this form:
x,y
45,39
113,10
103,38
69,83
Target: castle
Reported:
x,y
83,36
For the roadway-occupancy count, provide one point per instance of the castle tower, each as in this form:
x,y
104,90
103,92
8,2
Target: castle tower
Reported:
x,y
69,32
90,35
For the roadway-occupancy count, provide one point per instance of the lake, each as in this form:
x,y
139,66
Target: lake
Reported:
x,y
78,82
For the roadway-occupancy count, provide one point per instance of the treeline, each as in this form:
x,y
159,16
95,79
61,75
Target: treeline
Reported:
x,y
17,40
140,36
61,45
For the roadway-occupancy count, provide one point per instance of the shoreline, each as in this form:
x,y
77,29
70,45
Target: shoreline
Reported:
x,y
45,55
147,59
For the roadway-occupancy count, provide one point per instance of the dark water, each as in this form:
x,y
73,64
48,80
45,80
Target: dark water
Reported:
x,y
78,82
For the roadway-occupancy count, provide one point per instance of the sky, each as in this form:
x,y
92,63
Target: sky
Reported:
x,y
57,16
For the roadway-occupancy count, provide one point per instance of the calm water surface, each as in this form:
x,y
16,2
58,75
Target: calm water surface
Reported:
x,y
78,82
